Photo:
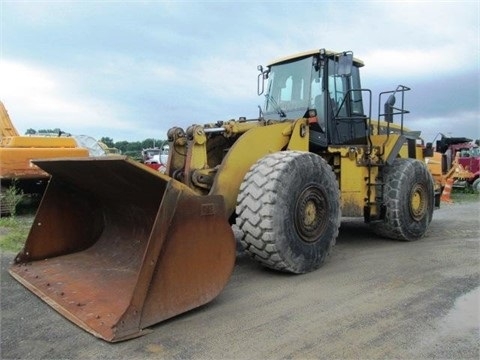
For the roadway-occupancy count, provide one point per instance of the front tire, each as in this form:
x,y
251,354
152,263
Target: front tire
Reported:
x,y
409,200
288,210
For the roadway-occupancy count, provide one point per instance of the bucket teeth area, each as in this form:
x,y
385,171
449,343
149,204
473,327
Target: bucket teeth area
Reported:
x,y
116,247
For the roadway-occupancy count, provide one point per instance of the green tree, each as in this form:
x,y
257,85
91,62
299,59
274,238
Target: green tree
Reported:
x,y
122,146
134,146
107,141
152,143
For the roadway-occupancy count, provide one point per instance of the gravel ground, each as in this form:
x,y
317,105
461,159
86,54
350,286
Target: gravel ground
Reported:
x,y
373,299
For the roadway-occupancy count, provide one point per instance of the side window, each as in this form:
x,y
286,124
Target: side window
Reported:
x,y
356,97
337,90
335,84
338,86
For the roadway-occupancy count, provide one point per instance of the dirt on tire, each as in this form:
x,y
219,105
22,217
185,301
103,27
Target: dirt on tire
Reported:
x,y
289,211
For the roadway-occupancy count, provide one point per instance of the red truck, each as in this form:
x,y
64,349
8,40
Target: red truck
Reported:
x,y
467,153
156,158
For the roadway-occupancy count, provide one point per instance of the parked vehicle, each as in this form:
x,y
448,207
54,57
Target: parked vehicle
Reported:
x,y
117,247
458,159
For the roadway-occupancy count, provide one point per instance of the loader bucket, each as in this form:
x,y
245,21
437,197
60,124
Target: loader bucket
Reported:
x,y
117,247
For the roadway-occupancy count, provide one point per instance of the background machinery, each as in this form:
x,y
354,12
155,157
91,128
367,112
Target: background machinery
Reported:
x,y
16,153
456,159
156,157
120,255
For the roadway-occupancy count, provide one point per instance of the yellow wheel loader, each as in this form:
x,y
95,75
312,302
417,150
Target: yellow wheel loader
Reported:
x,y
117,247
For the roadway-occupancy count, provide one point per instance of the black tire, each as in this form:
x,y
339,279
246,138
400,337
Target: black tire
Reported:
x,y
476,185
288,210
409,198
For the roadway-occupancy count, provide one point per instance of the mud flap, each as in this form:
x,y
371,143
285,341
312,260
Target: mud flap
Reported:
x,y
116,247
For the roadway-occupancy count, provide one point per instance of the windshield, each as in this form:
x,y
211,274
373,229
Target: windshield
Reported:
x,y
472,152
289,87
296,86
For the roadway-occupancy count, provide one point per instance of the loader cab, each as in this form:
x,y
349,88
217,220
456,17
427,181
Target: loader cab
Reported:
x,y
321,81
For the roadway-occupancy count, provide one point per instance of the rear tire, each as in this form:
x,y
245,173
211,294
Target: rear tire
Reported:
x,y
409,200
288,210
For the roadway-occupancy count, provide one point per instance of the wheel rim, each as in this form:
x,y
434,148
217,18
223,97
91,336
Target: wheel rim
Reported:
x,y
311,214
418,202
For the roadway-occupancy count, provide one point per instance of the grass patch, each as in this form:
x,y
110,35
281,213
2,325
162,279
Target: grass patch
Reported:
x,y
465,195
14,227
14,231
10,197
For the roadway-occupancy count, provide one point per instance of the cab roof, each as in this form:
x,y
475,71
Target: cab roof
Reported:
x,y
328,53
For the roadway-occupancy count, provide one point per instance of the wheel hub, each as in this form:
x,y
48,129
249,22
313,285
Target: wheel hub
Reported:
x,y
418,203
311,214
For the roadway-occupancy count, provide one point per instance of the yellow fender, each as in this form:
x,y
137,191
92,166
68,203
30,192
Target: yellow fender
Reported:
x,y
251,147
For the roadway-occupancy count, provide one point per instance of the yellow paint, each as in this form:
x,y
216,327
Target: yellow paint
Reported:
x,y
249,148
17,152
17,162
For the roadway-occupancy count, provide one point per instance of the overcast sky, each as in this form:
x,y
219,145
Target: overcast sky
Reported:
x,y
130,70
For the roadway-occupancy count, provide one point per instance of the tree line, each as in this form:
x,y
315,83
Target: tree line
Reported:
x,y
131,148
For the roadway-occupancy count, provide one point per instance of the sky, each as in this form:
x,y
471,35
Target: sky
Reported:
x,y
130,70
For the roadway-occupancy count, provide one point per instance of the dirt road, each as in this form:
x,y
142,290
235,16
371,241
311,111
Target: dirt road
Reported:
x,y
375,298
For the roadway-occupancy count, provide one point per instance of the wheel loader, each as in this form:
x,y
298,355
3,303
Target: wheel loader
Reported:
x,y
117,247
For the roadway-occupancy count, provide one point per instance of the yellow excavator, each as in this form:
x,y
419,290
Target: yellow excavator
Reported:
x,y
117,247
17,153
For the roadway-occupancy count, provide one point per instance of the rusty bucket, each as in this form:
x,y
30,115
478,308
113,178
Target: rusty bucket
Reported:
x,y
117,247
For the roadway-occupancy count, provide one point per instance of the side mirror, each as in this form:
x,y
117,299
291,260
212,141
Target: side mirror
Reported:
x,y
261,79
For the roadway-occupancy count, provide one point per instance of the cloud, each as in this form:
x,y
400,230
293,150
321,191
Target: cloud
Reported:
x,y
38,98
227,79
129,70
413,63
463,124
